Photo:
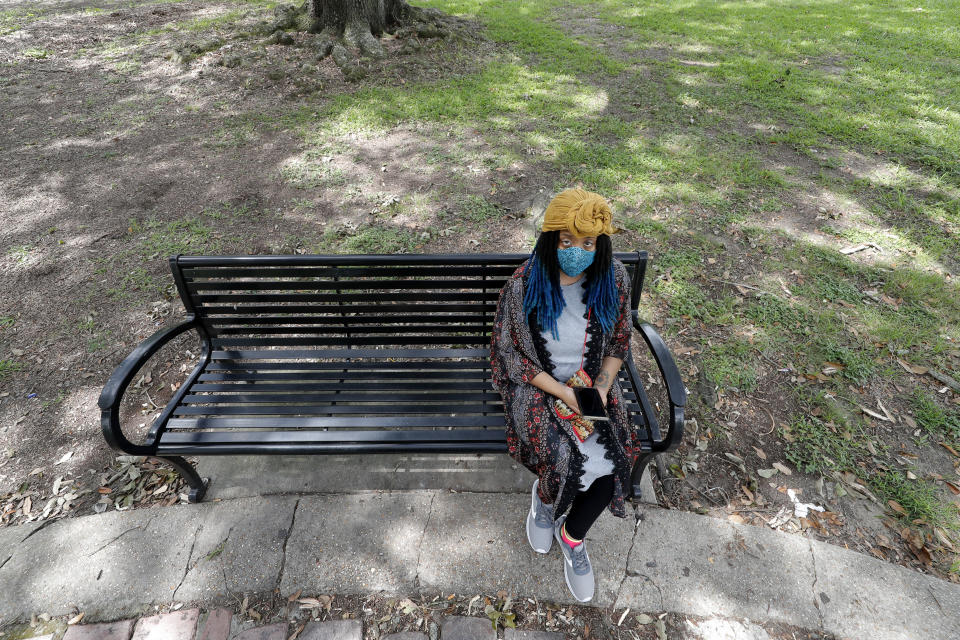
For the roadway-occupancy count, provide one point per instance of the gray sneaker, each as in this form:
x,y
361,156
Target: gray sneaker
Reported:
x,y
539,523
576,566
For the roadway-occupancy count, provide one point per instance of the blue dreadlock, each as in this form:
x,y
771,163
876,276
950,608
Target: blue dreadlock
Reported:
x,y
603,297
542,296
547,300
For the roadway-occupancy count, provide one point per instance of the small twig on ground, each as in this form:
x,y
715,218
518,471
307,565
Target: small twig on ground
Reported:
x,y
697,489
945,379
773,423
756,510
739,284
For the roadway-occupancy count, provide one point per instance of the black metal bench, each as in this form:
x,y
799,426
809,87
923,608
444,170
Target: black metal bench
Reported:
x,y
349,354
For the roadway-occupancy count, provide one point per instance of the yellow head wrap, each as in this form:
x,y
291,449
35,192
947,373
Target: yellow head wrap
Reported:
x,y
580,212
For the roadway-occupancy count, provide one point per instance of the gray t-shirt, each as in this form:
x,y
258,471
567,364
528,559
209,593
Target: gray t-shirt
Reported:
x,y
572,327
565,354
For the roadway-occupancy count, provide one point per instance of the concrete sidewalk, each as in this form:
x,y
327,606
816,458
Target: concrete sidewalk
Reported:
x,y
113,565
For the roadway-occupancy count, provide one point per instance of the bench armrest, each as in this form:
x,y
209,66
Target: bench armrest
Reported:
x,y
676,391
116,386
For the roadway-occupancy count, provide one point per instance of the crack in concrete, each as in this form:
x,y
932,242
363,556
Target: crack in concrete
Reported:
x,y
142,527
646,578
186,570
816,578
286,539
423,534
636,524
5,561
37,530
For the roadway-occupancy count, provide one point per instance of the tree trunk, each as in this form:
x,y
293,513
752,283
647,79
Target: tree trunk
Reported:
x,y
358,24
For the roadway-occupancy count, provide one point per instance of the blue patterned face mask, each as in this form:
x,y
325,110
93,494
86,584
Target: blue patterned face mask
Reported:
x,y
573,260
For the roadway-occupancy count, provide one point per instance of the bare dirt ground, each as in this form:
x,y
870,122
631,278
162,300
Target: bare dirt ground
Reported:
x,y
116,154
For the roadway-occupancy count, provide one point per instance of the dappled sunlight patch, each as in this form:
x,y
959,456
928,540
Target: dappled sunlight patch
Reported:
x,y
883,246
500,95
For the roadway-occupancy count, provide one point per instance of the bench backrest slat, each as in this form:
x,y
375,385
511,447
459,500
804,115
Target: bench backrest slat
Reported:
x,y
342,301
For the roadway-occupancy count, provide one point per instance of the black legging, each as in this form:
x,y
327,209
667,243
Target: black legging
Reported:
x,y
588,505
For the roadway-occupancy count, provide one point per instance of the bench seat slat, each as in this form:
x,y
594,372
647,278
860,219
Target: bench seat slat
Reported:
x,y
364,374
339,397
347,298
425,309
344,354
391,367
335,396
494,271
395,339
382,422
352,386
209,437
328,410
334,318
447,332
343,285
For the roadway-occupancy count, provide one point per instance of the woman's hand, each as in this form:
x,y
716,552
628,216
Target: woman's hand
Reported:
x,y
570,398
603,390
603,394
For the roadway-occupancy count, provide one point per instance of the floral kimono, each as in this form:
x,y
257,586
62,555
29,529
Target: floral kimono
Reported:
x,y
536,436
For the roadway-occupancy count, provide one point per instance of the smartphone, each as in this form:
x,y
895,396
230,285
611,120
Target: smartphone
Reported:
x,y
591,405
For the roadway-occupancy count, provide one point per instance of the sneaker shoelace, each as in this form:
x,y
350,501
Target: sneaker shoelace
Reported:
x,y
543,517
578,557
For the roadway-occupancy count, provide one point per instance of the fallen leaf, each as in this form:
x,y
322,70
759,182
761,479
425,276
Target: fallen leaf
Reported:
x,y
661,629
831,367
295,596
104,490
912,368
760,453
954,488
911,475
950,449
766,473
897,507
77,618
782,468
296,633
643,618
64,458
943,538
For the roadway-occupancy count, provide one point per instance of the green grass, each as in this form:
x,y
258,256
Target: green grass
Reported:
x,y
732,365
134,280
168,238
818,446
369,239
934,419
477,209
7,367
918,498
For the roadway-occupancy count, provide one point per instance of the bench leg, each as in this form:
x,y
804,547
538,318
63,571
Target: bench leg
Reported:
x,y
642,461
198,485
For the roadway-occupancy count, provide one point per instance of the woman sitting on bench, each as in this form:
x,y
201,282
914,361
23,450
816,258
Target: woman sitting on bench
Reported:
x,y
563,320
